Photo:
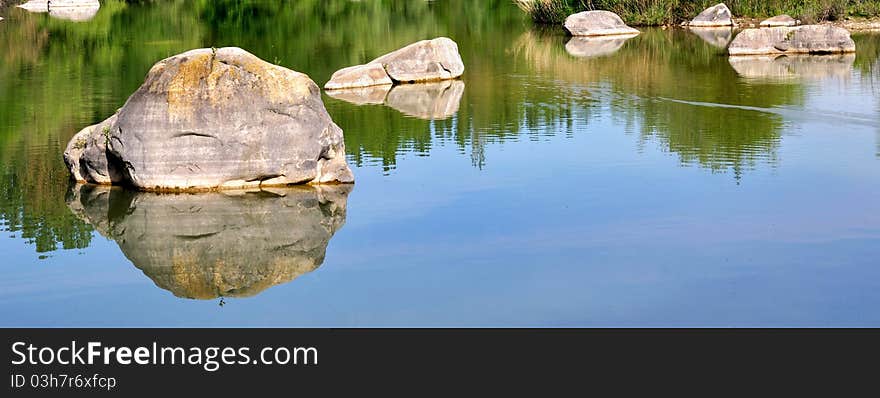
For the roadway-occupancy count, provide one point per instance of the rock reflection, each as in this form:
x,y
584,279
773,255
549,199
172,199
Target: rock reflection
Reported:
x,y
429,101
716,37
594,47
783,68
217,244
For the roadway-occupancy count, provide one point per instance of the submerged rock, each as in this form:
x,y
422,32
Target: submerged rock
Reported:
x,y
808,39
717,15
716,37
217,244
780,20
597,23
429,101
424,61
593,47
209,119
793,67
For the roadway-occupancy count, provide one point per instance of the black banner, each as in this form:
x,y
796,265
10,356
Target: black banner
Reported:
x,y
123,362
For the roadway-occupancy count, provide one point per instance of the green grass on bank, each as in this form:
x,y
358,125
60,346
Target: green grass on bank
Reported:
x,y
662,12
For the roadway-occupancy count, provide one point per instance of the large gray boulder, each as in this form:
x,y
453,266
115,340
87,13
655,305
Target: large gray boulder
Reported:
x,y
807,39
717,15
597,23
217,244
423,61
779,20
216,119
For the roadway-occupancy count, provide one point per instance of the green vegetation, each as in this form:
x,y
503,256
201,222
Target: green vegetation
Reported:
x,y
664,12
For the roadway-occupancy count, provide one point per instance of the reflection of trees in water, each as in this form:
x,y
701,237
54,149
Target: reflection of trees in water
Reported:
x,y
666,83
868,64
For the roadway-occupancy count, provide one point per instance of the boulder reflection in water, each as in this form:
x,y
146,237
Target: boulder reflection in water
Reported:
x,y
784,68
716,37
593,47
217,244
429,101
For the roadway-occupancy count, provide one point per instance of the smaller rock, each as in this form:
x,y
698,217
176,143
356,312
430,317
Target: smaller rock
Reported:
x,y
717,15
71,10
808,39
780,20
46,5
372,74
423,61
597,23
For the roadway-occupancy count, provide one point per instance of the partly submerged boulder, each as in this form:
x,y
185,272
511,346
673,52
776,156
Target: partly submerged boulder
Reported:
x,y
372,74
209,119
717,15
808,39
217,244
780,20
423,61
597,23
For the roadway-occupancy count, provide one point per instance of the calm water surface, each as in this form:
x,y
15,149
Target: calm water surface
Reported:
x,y
640,182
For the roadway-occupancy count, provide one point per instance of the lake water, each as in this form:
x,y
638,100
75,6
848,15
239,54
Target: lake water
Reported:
x,y
641,182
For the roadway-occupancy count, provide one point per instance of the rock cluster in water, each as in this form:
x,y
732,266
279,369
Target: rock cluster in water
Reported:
x,y
214,119
217,244
597,23
423,61
808,39
715,16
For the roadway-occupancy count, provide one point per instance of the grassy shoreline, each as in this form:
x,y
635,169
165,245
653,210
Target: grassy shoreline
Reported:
x,y
669,12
